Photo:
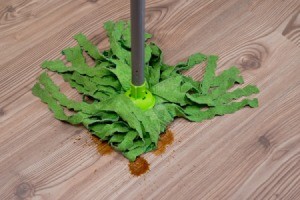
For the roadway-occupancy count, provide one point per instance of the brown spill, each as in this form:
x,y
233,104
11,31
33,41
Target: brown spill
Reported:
x,y
166,139
139,166
103,147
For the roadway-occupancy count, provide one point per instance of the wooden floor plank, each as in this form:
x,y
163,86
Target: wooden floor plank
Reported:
x,y
252,154
282,16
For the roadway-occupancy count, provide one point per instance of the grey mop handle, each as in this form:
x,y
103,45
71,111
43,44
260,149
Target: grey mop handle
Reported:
x,y
137,12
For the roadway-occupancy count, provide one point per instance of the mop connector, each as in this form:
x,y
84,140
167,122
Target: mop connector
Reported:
x,y
141,97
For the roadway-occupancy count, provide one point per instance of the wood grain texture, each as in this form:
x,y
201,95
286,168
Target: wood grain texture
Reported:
x,y
252,154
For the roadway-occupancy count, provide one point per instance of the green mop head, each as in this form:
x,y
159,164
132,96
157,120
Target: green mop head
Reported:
x,y
112,116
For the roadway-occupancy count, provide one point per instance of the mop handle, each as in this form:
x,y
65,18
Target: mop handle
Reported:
x,y
137,12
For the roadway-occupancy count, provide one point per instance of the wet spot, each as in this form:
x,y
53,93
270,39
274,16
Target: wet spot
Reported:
x,y
166,139
24,190
139,166
103,148
249,61
264,141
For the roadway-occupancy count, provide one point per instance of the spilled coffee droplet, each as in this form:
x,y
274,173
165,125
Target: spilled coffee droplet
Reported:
x,y
166,139
139,166
103,147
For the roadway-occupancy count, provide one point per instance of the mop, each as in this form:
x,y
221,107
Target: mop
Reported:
x,y
130,96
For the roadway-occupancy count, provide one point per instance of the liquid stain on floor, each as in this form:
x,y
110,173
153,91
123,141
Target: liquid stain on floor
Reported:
x,y
103,148
140,165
